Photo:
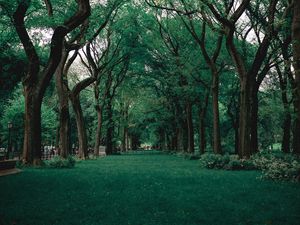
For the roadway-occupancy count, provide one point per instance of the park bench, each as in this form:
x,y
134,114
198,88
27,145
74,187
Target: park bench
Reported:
x,y
8,164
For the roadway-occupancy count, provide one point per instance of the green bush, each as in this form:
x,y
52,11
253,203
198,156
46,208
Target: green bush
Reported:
x,y
59,162
228,162
277,165
240,164
214,161
279,169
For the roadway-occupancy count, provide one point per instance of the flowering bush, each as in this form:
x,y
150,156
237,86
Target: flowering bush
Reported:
x,y
279,169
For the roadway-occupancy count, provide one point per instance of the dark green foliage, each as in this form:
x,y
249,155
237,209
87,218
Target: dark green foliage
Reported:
x,y
274,165
227,162
59,162
277,165
214,161
282,170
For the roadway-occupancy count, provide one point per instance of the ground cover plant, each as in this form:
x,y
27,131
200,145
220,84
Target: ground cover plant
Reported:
x,y
146,189
274,165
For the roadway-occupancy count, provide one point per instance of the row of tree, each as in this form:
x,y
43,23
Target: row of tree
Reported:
x,y
152,70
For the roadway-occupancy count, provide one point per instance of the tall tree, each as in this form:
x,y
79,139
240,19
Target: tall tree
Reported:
x,y
37,79
296,65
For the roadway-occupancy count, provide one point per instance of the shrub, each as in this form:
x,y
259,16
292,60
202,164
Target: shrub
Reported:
x,y
192,156
240,164
59,162
214,161
279,169
228,162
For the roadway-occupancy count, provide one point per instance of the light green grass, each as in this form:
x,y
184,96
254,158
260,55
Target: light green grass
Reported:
x,y
144,189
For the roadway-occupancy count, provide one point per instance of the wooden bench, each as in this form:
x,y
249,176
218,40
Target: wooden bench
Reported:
x,y
8,164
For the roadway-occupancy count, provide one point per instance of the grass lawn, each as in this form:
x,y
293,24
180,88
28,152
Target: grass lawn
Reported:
x,y
144,189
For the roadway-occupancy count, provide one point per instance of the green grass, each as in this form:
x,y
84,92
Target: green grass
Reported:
x,y
144,189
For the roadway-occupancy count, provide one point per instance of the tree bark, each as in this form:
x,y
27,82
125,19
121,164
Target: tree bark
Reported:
x,y
32,137
81,130
254,120
98,131
190,128
287,119
110,128
296,65
63,100
216,115
245,120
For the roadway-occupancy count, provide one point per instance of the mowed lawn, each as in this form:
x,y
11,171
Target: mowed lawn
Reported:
x,y
144,189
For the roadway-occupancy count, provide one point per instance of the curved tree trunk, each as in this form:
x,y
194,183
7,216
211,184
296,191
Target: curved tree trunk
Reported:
x,y
81,131
63,100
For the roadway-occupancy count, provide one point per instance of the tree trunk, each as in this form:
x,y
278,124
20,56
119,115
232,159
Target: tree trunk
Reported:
x,y
190,128
254,120
63,100
98,131
287,120
110,128
202,133
216,115
32,131
81,131
202,130
296,65
245,120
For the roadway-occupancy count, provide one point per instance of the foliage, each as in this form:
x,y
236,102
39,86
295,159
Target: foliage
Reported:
x,y
227,162
13,112
214,161
59,162
282,170
277,165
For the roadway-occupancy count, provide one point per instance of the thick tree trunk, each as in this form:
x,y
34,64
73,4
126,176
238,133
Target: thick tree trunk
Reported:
x,y
32,137
63,100
190,128
81,131
98,130
216,115
254,120
245,120
296,65
287,119
110,128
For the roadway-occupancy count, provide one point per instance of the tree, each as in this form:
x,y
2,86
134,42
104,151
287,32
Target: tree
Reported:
x,y
37,79
296,65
